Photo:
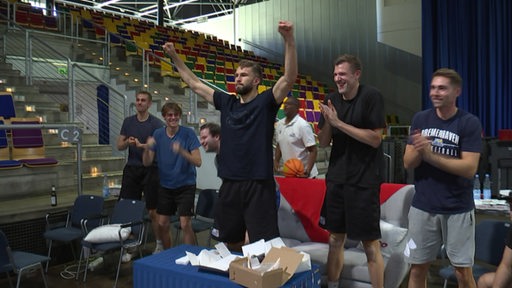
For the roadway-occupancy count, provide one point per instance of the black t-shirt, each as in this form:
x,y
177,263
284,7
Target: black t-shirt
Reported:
x,y
351,161
247,132
140,130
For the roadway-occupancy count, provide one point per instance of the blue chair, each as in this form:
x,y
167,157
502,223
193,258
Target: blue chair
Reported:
x,y
128,213
490,238
19,261
85,206
203,219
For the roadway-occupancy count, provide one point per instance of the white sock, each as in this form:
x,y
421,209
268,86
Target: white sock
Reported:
x,y
333,284
159,243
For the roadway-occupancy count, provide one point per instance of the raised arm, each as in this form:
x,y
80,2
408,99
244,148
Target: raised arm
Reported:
x,y
285,83
187,75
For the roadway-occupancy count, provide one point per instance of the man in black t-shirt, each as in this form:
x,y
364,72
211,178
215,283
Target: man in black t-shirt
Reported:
x,y
353,119
137,178
247,194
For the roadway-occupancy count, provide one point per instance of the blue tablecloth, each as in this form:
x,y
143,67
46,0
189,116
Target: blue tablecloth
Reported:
x,y
160,270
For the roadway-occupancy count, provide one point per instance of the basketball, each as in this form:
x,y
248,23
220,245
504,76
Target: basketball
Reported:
x,y
293,167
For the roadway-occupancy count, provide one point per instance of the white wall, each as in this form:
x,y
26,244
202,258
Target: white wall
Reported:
x,y
399,24
207,173
325,29
222,27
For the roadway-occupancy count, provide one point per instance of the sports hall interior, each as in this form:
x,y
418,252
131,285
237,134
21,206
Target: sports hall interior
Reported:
x,y
69,72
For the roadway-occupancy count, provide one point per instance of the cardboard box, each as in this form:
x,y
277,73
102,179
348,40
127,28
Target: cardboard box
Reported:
x,y
289,260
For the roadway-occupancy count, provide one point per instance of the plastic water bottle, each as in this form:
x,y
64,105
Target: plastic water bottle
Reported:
x,y
106,189
477,192
487,187
53,196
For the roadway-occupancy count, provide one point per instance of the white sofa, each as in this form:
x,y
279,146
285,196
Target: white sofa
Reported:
x,y
396,200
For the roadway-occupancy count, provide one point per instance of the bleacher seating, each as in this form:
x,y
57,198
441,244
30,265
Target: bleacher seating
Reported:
x,y
210,58
36,19
3,11
28,145
32,17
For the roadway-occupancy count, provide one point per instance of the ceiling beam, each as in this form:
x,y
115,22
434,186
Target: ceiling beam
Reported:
x,y
166,7
227,11
99,5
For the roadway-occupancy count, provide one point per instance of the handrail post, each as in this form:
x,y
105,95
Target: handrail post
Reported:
x,y
79,166
71,92
28,71
106,58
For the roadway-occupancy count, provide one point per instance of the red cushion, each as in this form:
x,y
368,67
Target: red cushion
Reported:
x,y
388,189
306,197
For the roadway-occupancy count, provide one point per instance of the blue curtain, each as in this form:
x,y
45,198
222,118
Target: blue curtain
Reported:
x,y
103,115
474,37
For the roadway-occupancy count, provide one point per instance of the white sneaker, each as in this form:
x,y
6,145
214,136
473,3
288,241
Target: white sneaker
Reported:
x,y
158,249
127,257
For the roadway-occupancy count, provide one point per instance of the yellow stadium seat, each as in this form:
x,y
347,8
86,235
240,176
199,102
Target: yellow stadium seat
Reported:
x,y
166,68
182,57
201,60
316,105
86,14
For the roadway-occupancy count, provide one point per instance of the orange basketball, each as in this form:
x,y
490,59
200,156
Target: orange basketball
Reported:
x,y
293,167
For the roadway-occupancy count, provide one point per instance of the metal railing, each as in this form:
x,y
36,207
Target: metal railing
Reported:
x,y
58,74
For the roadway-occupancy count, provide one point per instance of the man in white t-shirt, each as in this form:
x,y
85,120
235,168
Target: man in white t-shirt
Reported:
x,y
295,139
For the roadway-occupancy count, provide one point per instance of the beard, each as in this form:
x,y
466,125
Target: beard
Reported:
x,y
243,89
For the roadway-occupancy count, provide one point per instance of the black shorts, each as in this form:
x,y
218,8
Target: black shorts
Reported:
x,y
246,206
138,179
351,210
180,199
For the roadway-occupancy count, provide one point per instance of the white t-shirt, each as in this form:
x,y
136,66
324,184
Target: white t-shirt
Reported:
x,y
293,138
